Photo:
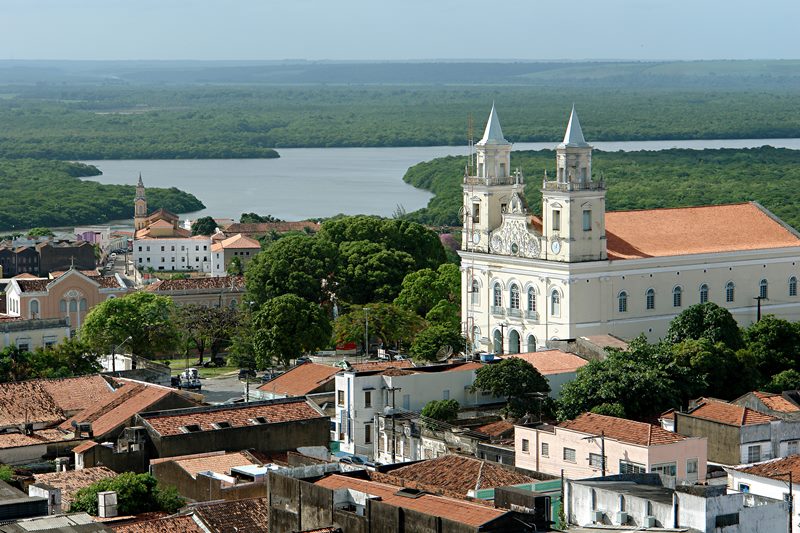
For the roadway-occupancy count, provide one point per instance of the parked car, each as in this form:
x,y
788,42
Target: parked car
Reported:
x,y
302,360
189,379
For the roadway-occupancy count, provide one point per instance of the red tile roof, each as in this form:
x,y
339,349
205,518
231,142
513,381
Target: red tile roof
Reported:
x,y
472,514
274,411
198,284
728,413
27,401
301,380
220,463
623,430
496,429
78,393
234,516
42,436
33,285
460,474
694,230
84,446
777,468
776,402
262,228
237,242
549,362
71,481
170,524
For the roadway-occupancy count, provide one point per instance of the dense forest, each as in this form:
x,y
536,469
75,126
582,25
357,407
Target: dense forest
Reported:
x,y
639,180
75,122
51,193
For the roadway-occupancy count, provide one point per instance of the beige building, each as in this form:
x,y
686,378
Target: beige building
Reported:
x,y
577,447
224,251
209,292
580,271
28,335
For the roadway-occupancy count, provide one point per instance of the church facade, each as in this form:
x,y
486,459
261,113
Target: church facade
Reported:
x,y
578,270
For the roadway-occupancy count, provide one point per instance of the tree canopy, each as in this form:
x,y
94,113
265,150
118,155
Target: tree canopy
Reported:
x,y
514,379
423,289
774,344
705,321
204,226
287,327
392,325
441,410
136,493
428,342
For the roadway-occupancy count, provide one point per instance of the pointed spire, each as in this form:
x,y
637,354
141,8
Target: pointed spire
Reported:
x,y
574,134
140,184
493,134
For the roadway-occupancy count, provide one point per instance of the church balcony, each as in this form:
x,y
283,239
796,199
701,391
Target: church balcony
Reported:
x,y
513,312
508,180
532,315
574,185
498,310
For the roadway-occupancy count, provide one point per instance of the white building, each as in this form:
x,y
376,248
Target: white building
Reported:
x,y
237,247
770,479
579,271
362,395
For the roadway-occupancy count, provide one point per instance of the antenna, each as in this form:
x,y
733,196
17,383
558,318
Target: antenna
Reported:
x,y
444,353
470,141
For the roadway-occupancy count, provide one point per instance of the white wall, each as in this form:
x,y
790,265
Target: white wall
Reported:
x,y
762,486
170,254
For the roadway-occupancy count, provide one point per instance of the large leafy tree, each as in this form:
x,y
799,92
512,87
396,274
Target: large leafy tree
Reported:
x,y
727,373
705,321
390,324
206,328
514,379
204,226
441,410
431,340
297,264
72,357
136,493
286,327
423,289
369,272
786,380
775,345
147,318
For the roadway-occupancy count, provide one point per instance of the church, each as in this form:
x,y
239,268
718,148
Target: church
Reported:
x,y
579,270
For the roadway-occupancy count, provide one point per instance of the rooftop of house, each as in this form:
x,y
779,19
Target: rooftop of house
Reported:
x,y
776,402
43,284
71,481
727,413
62,523
262,228
623,430
22,402
88,273
460,511
498,429
392,368
606,341
36,438
460,474
549,362
775,468
219,462
78,393
237,515
169,524
301,380
191,420
227,283
237,242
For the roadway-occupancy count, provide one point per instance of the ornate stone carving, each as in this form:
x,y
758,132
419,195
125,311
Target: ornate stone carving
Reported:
x,y
514,238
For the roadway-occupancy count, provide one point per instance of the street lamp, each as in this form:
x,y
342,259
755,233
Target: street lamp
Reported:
x,y
503,326
790,526
114,353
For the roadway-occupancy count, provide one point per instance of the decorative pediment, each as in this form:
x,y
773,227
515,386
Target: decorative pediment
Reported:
x,y
514,237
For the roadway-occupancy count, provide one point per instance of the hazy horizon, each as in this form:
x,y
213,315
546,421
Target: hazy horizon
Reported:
x,y
364,30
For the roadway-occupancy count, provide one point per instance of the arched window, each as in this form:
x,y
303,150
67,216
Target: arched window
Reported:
x,y
475,293
34,308
83,304
762,288
622,302
498,341
73,306
555,303
729,291
498,296
531,343
514,296
703,293
531,300
793,286
650,299
513,342
677,294
62,306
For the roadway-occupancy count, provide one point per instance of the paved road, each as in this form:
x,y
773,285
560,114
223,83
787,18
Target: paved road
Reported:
x,y
223,388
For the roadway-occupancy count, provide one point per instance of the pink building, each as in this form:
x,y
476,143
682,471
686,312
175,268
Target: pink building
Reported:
x,y
630,447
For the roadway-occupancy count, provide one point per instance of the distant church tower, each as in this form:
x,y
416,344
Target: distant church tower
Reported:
x,y
487,194
140,206
574,205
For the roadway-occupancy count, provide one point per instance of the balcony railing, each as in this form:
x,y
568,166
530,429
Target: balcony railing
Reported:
x,y
513,311
574,185
497,310
532,315
477,180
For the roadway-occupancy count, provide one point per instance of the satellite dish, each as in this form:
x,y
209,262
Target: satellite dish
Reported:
x,y
444,353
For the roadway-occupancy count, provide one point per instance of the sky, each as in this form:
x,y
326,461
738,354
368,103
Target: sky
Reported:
x,y
399,30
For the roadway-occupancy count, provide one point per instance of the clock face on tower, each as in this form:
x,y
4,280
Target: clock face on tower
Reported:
x,y
555,246
476,237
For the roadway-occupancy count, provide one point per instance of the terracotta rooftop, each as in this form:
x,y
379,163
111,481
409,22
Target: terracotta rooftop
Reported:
x,y
776,402
460,474
198,284
369,366
728,413
496,429
78,393
777,468
32,285
238,242
71,481
234,516
301,380
88,273
262,228
623,430
41,436
27,401
220,463
170,524
549,362
274,411
694,230
464,512
84,446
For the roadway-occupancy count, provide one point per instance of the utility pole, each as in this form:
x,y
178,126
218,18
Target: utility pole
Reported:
x,y
758,313
603,453
790,501
366,333
394,441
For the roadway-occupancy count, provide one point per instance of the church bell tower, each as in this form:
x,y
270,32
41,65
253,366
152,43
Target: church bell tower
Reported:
x,y
140,206
574,205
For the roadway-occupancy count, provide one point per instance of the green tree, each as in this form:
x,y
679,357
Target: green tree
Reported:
x,y
204,226
6,473
774,343
71,357
15,364
786,380
297,264
390,324
147,318
254,218
369,272
514,379
445,313
727,374
286,327
441,410
235,267
705,321
206,328
430,340
423,289
40,232
609,409
136,493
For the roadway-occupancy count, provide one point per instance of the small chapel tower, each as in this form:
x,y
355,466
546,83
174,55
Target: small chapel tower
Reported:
x,y
140,206
574,205
487,193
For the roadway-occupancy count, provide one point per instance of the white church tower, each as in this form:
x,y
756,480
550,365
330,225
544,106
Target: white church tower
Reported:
x,y
574,205
487,194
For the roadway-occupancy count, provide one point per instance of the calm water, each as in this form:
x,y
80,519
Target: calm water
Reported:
x,y
318,182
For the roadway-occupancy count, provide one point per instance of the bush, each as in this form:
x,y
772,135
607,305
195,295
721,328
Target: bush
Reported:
x,y
441,410
6,473
136,493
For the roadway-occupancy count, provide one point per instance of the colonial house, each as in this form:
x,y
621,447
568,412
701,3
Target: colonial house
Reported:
x,y
236,247
259,229
594,444
783,405
209,292
769,479
30,334
579,271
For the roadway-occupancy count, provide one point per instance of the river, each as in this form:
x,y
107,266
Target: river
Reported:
x,y
321,182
